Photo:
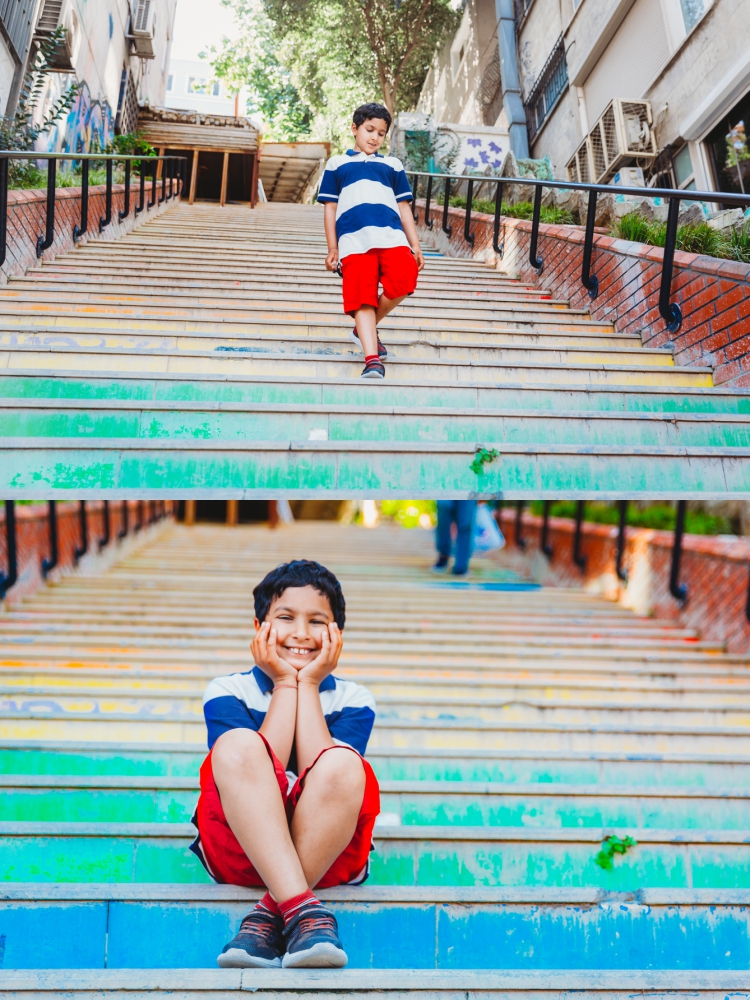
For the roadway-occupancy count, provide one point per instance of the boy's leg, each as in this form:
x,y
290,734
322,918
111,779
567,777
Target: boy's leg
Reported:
x,y
443,530
466,511
366,324
249,791
326,815
386,305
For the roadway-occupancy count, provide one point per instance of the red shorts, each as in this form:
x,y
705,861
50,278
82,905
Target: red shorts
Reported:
x,y
395,268
226,862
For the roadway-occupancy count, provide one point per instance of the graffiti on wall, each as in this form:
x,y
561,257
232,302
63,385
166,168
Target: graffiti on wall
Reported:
x,y
88,126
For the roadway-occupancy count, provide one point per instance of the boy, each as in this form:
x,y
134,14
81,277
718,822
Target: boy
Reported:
x,y
287,801
370,231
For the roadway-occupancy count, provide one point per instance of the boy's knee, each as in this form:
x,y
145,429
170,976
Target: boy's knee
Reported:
x,y
238,749
339,773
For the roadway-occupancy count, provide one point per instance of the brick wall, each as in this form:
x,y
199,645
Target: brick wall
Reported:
x,y
715,569
32,538
714,295
27,214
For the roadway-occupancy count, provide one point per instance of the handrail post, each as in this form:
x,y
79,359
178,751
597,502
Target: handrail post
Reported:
x,y
139,523
678,590
126,207
170,169
545,545
45,242
104,540
141,192
468,235
163,195
83,548
3,209
414,191
622,574
105,221
154,184
498,247
446,205
670,311
536,262
427,198
122,533
579,559
8,579
78,231
49,564
590,281
520,540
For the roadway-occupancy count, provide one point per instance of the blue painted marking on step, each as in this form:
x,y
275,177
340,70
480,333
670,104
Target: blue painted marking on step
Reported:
x,y
54,935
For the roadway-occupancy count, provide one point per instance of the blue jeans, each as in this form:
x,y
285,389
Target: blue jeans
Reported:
x,y
463,514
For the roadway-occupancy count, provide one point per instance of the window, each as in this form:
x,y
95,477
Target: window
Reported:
x,y
197,85
548,89
170,81
729,145
693,11
683,169
216,90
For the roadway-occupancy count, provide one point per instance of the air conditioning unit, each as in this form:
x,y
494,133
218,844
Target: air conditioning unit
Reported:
x,y
143,27
623,133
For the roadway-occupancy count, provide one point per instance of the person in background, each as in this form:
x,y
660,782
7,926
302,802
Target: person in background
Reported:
x,y
462,513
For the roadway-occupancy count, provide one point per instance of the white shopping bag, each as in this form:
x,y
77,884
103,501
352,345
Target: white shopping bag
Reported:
x,y
487,535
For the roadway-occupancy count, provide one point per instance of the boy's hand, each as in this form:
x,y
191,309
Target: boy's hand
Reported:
x,y
418,256
332,260
267,656
326,660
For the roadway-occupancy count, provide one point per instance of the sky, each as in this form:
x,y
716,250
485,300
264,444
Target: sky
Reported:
x,y
198,25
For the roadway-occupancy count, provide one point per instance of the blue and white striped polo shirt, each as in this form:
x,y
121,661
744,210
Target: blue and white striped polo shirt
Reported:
x,y
240,701
367,190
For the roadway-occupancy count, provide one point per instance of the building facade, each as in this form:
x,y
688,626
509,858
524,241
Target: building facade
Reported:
x,y
191,86
118,53
680,68
17,21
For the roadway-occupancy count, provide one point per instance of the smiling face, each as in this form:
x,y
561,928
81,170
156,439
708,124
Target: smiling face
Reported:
x,y
300,616
370,135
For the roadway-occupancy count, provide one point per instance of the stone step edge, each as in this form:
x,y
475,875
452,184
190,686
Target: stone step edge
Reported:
x,y
438,753
399,981
367,447
424,834
206,892
391,787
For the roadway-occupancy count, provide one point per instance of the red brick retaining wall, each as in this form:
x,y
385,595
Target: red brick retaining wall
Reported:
x,y
27,214
32,537
714,295
715,569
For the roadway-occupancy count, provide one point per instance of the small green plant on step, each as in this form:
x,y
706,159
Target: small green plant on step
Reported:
x,y
611,846
483,457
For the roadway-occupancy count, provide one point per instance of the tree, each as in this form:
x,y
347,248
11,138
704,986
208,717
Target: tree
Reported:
x,y
251,60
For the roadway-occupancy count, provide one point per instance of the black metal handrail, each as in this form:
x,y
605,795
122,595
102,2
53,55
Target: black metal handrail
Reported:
x,y
174,166
669,311
678,590
520,540
81,550
104,540
8,579
578,559
122,533
49,564
544,542
622,573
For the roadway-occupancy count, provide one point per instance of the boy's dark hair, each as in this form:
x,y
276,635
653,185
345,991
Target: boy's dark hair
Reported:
x,y
300,573
367,111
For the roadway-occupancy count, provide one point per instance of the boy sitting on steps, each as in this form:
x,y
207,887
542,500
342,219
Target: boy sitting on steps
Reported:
x,y
287,801
370,231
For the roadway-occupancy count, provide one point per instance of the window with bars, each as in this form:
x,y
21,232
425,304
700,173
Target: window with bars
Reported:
x,y
522,9
549,87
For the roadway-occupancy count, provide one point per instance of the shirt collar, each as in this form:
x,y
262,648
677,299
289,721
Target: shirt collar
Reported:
x,y
265,683
366,156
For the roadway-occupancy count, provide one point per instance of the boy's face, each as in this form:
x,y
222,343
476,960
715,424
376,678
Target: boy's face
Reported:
x,y
300,616
370,135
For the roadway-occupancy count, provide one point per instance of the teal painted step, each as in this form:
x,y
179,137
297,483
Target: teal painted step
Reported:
x,y
46,468
406,855
53,799
448,766
241,422
330,392
162,926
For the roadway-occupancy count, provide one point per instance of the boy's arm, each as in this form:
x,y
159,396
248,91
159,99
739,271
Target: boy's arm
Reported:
x,y
407,221
312,733
329,222
281,717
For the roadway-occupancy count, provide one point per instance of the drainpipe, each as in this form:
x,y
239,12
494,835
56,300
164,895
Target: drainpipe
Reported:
x,y
511,86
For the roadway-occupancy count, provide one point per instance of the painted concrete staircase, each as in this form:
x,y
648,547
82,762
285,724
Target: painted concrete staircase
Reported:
x,y
206,354
517,728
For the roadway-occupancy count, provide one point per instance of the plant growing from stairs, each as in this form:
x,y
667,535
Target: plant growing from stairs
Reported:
x,y
483,457
611,846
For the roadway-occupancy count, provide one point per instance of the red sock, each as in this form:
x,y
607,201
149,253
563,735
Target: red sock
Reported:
x,y
371,357
291,906
270,904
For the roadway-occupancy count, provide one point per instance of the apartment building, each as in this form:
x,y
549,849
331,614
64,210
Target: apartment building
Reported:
x,y
191,86
118,53
682,67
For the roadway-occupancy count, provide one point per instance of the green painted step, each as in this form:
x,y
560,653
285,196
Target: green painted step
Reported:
x,y
53,799
405,855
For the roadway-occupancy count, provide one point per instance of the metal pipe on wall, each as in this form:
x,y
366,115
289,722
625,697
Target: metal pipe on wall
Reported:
x,y
510,82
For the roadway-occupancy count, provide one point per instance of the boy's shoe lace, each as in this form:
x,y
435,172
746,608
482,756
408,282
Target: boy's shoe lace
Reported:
x,y
259,943
373,369
382,352
312,940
